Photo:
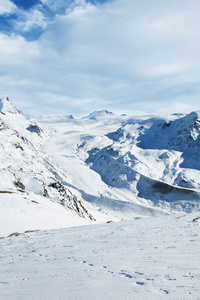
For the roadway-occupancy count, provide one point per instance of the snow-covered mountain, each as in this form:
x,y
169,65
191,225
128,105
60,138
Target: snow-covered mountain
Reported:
x,y
26,177
59,171
129,164
98,168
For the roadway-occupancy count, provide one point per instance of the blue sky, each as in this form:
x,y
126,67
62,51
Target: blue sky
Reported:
x,y
77,56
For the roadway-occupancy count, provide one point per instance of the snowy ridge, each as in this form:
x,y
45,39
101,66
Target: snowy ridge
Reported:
x,y
103,167
98,115
24,169
58,172
7,107
136,160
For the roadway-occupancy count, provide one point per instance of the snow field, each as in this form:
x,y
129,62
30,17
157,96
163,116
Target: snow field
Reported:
x,y
108,168
28,211
145,258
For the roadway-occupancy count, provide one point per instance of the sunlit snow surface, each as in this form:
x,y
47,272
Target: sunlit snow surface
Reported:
x,y
128,165
139,174
146,258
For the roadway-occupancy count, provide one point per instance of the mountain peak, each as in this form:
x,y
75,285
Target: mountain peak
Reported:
x,y
98,114
8,107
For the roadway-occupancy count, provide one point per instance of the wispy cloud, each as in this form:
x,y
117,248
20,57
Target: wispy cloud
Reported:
x,y
123,55
31,19
7,7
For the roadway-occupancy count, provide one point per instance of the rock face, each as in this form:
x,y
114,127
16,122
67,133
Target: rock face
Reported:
x,y
175,135
126,163
6,107
68,200
120,166
23,166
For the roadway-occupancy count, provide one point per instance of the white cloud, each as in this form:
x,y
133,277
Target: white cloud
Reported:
x,y
31,19
63,4
54,5
7,7
124,55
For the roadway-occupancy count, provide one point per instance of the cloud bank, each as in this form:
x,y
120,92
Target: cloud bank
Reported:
x,y
119,55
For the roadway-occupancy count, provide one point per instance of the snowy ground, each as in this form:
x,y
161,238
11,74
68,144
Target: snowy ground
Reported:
x,y
120,163
20,212
145,258
71,172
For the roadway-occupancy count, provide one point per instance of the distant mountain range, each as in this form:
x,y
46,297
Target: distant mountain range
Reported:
x,y
99,168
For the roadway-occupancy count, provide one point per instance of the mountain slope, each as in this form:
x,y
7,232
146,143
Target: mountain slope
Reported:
x,y
25,173
58,172
102,167
135,161
145,258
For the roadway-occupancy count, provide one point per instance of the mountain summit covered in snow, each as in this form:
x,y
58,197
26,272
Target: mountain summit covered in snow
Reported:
x,y
98,168
59,172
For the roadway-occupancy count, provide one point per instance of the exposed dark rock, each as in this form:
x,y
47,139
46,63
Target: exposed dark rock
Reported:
x,y
15,234
6,192
18,146
34,128
45,192
70,201
19,185
2,125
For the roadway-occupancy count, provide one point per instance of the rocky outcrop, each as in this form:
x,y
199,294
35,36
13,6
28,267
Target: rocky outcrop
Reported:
x,y
68,200
23,166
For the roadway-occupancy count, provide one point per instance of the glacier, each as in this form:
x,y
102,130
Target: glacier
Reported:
x,y
102,203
